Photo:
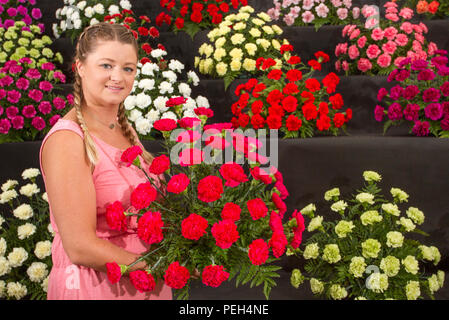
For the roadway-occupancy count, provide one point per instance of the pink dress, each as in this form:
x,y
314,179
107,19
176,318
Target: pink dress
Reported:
x,y
113,181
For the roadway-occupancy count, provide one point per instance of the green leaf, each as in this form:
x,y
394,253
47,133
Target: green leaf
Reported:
x,y
228,79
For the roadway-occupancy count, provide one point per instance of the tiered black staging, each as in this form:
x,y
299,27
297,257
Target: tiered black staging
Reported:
x,y
312,166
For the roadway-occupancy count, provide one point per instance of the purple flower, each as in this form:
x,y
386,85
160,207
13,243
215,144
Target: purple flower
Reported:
x,y
396,92
431,95
395,111
41,27
38,123
17,122
25,60
60,76
439,61
27,19
441,52
445,89
411,112
445,123
6,81
12,12
54,119
36,13
433,111
33,74
59,103
402,75
22,84
36,95
379,113
14,96
44,107
426,75
443,71
15,69
48,66
410,92
418,65
381,94
11,112
45,86
22,10
405,62
29,111
8,23
421,129
5,125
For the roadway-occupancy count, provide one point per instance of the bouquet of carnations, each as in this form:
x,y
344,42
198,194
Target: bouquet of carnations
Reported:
x,y
316,13
378,46
421,96
75,15
431,9
237,41
366,252
28,104
21,41
12,11
155,84
212,218
192,16
25,240
288,98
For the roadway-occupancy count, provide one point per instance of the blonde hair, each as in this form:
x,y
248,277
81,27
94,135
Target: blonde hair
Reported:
x,y
86,44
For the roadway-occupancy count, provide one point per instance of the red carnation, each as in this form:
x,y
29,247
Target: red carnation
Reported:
x,y
142,280
160,164
290,88
165,124
336,101
314,64
323,123
179,22
210,189
290,104
193,227
298,230
308,97
224,7
275,97
173,102
267,63
225,233
293,75
189,122
114,272
184,10
275,74
149,227
293,123
285,48
279,204
256,107
143,31
339,119
154,32
313,85
309,111
258,252
130,154
115,216
143,195
176,276
178,183
274,121
257,121
330,82
324,57
278,243
217,18
243,120
202,111
294,60
190,157
147,48
214,275
196,16
261,175
233,174
275,222
323,108
231,211
282,189
257,208
348,114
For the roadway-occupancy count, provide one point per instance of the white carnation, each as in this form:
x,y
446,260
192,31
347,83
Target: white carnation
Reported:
x,y
202,102
8,196
135,114
37,271
160,102
190,104
157,53
63,25
17,256
9,185
165,87
5,266
99,8
146,84
16,290
43,249
143,126
130,102
77,24
184,89
175,65
45,196
29,189
113,9
94,21
152,115
50,229
143,100
170,76
89,12
23,212
125,4
169,115
81,5
3,247
26,230
149,68
194,77
30,173
190,113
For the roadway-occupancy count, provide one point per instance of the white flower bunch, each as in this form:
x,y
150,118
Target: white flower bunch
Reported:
x,y
155,84
365,252
75,15
25,244
234,51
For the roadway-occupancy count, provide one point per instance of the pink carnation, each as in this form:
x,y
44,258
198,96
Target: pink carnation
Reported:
x,y
406,13
38,123
361,42
354,34
384,60
407,27
373,51
390,33
17,122
353,52
377,34
29,111
389,47
401,39
364,65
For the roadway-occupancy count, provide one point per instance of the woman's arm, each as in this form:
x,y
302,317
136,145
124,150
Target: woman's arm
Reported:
x,y
72,197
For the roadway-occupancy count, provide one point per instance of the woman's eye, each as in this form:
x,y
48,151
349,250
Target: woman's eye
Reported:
x,y
106,65
129,69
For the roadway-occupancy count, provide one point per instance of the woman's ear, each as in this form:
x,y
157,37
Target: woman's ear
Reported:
x,y
79,67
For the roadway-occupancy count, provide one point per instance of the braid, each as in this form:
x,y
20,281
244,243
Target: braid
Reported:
x,y
89,145
127,131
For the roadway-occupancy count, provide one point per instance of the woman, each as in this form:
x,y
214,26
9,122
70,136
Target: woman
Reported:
x,y
80,164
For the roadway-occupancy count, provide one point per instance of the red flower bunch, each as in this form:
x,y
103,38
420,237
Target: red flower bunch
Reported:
x,y
193,15
149,228
296,104
176,276
194,227
210,189
233,174
225,233
214,275
143,281
130,155
257,208
115,216
258,252
178,183
431,8
143,195
160,164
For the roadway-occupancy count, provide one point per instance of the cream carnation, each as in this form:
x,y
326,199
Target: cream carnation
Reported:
x,y
249,64
23,212
16,290
7,196
17,257
395,239
29,189
5,266
37,271
26,230
390,265
331,253
2,289
411,264
391,208
330,194
255,33
10,184
3,247
357,267
235,65
311,251
43,249
251,48
30,173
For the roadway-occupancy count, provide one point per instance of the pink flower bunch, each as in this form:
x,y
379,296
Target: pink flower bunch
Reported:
x,y
27,100
305,12
421,96
380,47
10,12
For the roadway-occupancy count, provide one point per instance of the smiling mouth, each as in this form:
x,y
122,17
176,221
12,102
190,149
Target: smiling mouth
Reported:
x,y
114,88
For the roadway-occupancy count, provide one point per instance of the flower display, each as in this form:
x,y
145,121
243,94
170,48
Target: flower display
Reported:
x,y
24,10
25,239
236,43
76,15
288,98
192,16
211,217
367,250
28,105
316,13
379,45
420,96
430,9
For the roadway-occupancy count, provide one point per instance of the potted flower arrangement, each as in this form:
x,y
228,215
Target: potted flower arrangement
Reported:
x,y
378,46
192,16
289,99
420,96
366,252
12,11
211,218
236,42
75,15
430,9
25,240
310,12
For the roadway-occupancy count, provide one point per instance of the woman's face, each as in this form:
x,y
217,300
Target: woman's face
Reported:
x,y
107,74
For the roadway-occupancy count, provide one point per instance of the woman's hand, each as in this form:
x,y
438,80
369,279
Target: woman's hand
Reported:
x,y
196,274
